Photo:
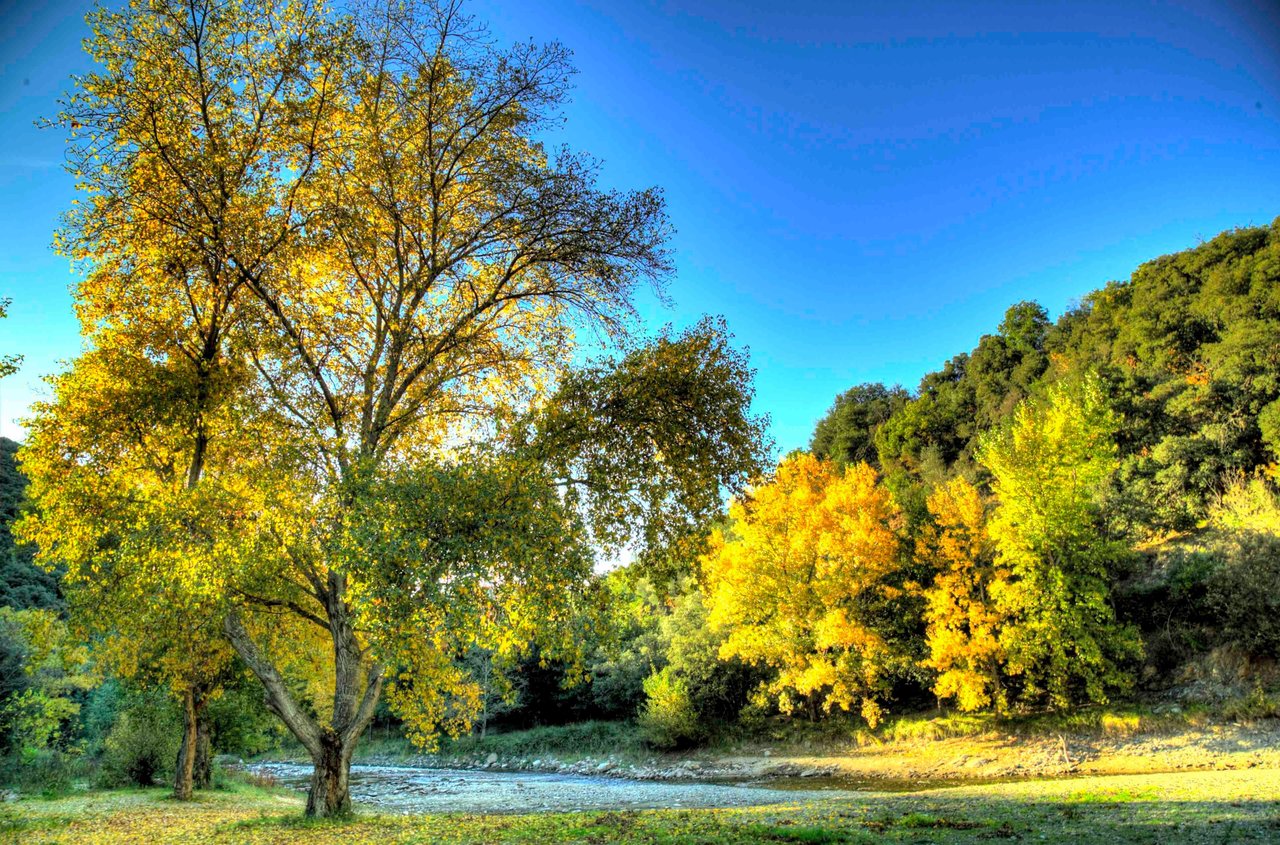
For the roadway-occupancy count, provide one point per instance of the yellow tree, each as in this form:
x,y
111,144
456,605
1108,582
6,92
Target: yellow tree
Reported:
x,y
190,144
388,275
1060,636
109,460
963,624
797,579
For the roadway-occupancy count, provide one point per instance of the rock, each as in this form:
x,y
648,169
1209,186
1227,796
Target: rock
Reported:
x,y
491,759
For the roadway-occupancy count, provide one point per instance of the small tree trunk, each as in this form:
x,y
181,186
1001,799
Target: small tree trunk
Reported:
x,y
330,782
203,774
184,771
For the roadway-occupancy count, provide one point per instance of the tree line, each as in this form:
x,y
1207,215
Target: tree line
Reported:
x,y
1074,511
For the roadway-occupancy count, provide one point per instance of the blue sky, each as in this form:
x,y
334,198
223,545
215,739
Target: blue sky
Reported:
x,y
860,188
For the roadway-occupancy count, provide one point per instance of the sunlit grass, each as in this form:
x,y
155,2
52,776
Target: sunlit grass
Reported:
x,y
1190,807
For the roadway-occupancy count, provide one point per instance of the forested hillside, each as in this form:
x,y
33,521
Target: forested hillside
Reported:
x,y
1186,355
1188,350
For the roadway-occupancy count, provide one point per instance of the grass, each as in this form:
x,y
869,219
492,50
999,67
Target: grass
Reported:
x,y
583,739
566,743
846,731
1187,807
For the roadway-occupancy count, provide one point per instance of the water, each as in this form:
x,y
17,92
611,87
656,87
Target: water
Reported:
x,y
401,789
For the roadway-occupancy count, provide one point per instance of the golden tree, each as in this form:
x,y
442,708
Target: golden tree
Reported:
x,y
370,279
963,624
797,578
109,462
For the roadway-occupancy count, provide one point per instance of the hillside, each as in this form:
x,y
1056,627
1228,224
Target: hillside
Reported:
x,y
1187,348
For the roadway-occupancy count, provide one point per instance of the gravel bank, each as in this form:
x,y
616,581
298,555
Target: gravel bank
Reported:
x,y
403,789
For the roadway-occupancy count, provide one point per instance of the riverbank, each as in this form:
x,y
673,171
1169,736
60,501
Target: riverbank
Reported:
x,y
1185,807
906,755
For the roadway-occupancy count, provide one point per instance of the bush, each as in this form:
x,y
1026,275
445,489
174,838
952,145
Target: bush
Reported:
x,y
1243,593
1258,704
142,747
624,660
593,738
240,723
718,689
668,718
46,772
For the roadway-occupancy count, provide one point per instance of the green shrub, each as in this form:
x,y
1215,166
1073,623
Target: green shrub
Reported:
x,y
668,718
1258,704
578,739
239,721
41,771
1243,593
142,746
718,689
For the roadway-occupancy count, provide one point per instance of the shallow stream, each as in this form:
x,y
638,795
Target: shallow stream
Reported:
x,y
401,789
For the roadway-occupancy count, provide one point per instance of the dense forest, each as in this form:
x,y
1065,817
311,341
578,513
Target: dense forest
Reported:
x,y
1073,512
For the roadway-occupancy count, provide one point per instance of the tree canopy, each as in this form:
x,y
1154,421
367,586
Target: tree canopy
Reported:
x,y
796,581
329,260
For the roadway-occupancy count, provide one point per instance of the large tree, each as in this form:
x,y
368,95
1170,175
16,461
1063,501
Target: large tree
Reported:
x,y
359,280
847,433
799,582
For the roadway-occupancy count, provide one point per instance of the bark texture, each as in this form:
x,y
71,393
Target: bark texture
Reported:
x,y
330,746
185,771
203,773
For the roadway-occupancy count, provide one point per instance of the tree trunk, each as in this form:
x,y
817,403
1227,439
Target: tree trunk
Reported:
x,y
203,773
330,793
184,770
330,746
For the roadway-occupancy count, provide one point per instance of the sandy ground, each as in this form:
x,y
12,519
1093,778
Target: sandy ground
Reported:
x,y
991,757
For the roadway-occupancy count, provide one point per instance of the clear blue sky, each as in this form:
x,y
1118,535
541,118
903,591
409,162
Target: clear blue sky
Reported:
x,y
860,192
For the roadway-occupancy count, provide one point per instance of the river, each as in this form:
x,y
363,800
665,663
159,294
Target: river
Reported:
x,y
401,789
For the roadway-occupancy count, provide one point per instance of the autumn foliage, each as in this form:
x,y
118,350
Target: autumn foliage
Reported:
x,y
804,559
1015,583
963,621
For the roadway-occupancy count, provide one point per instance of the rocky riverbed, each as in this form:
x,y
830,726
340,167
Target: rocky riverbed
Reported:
x,y
405,789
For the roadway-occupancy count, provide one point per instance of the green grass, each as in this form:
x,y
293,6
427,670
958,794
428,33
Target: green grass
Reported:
x,y
581,739
1186,807
563,742
843,731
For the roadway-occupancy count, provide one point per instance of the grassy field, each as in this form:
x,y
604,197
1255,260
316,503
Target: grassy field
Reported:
x,y
1187,807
